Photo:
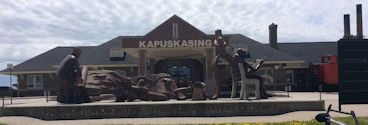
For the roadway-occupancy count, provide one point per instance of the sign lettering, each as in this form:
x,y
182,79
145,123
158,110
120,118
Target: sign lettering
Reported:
x,y
175,43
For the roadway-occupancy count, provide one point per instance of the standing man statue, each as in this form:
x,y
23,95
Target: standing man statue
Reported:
x,y
68,76
220,52
220,44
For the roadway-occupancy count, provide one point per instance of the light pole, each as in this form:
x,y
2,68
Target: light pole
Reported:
x,y
17,87
10,67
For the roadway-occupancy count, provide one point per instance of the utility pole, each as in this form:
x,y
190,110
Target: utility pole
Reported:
x,y
10,67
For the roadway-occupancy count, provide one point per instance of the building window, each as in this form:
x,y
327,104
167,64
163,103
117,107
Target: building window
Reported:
x,y
122,73
289,76
175,31
268,74
181,74
116,54
34,81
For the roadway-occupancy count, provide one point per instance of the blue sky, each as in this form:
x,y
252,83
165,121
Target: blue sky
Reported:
x,y
29,28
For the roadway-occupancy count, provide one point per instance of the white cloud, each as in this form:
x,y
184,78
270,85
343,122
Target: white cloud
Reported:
x,y
28,28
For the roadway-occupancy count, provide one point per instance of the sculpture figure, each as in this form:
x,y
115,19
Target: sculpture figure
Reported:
x,y
240,57
68,76
196,91
220,47
149,87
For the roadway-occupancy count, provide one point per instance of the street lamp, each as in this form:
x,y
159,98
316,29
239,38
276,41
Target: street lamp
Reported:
x,y
10,67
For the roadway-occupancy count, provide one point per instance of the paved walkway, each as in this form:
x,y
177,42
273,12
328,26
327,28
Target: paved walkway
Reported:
x,y
330,98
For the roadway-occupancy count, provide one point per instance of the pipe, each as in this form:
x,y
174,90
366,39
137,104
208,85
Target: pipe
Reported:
x,y
359,21
346,25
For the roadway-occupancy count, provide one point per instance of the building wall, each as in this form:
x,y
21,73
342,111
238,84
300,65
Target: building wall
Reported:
x,y
305,80
280,76
50,83
130,71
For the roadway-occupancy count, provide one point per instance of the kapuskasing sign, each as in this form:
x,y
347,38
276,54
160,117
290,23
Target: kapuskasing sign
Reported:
x,y
175,43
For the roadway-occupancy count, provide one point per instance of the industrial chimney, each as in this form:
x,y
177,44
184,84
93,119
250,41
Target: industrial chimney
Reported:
x,y
347,26
359,21
273,35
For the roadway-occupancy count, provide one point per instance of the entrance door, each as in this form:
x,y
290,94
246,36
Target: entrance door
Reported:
x,y
184,71
181,74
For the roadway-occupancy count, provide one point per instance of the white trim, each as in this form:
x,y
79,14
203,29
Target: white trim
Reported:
x,y
111,65
294,67
27,72
270,62
56,66
278,62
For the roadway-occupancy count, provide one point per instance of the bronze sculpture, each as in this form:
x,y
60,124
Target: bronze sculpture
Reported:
x,y
220,47
251,69
69,76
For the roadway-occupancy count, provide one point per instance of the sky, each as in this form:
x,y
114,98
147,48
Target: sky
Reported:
x,y
29,28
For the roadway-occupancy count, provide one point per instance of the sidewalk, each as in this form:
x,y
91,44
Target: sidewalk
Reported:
x,y
330,98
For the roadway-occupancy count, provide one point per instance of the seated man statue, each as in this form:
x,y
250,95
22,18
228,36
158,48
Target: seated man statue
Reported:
x,y
68,76
240,57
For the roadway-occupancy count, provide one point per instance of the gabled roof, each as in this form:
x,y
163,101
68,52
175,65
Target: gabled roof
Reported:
x,y
44,61
91,55
309,51
99,55
258,50
165,30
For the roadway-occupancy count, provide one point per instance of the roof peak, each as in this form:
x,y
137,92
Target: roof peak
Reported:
x,y
175,28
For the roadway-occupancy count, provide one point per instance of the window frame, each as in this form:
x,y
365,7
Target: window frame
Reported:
x,y
175,31
270,72
291,74
116,54
35,84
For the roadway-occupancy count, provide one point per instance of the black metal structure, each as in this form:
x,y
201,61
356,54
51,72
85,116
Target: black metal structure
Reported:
x,y
326,118
353,71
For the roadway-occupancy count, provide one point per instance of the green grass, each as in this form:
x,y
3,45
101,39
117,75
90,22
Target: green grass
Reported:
x,y
350,120
347,120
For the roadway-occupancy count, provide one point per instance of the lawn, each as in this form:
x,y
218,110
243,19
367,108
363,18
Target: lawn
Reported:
x,y
347,120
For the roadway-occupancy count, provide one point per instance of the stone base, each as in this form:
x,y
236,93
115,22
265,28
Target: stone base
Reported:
x,y
209,108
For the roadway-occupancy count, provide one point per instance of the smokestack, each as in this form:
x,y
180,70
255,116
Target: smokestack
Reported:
x,y
346,26
273,35
359,21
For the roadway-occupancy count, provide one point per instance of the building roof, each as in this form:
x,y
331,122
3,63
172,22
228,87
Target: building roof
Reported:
x,y
91,55
311,52
100,55
258,50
